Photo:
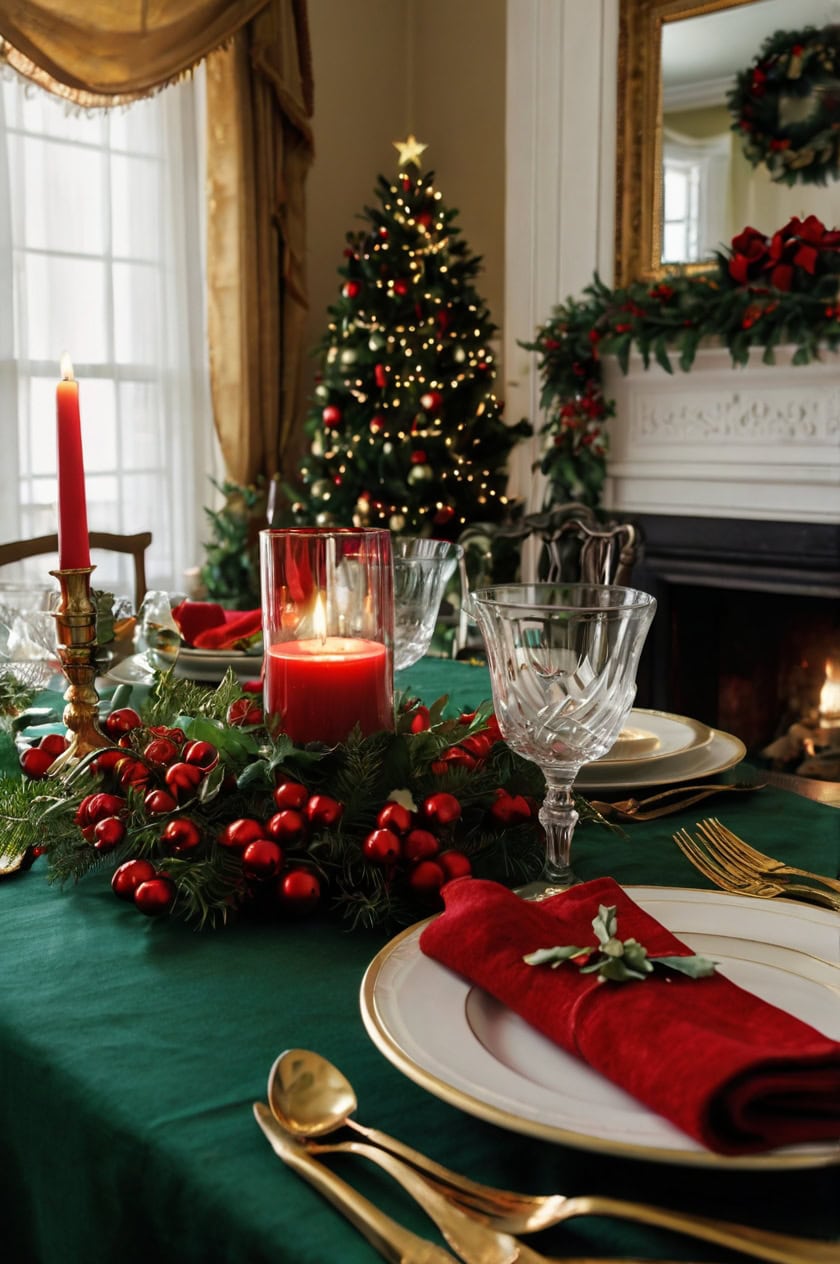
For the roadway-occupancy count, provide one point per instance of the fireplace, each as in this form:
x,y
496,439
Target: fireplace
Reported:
x,y
748,618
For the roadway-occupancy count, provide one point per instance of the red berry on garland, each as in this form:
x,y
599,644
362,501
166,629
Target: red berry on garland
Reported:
x,y
202,754
106,760
160,751
382,847
442,808
299,890
510,809
94,807
431,401
351,289
183,779
289,826
108,833
181,835
244,713
454,864
262,858
36,762
331,416
427,878
130,772
121,721
394,816
291,794
159,802
322,810
421,720
177,736
420,845
128,877
401,287
54,744
241,832
155,896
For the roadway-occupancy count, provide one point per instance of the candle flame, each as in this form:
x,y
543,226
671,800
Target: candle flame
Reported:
x,y
66,367
319,618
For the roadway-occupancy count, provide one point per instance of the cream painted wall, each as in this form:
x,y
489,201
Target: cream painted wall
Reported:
x,y
382,69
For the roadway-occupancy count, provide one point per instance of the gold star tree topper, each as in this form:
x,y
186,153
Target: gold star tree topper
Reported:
x,y
409,150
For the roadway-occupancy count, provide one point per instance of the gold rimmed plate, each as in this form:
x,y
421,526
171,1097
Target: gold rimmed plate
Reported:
x,y
468,1049
654,736
724,751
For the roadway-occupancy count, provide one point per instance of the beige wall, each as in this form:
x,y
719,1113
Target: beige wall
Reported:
x,y
382,69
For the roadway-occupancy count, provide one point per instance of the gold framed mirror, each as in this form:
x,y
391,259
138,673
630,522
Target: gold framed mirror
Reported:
x,y
677,60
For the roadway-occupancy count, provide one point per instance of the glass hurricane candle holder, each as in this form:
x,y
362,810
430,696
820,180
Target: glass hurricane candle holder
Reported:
x,y
328,629
563,661
422,569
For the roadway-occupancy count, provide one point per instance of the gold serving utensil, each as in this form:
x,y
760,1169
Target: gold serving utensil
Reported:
x,y
740,882
390,1239
732,848
310,1098
667,802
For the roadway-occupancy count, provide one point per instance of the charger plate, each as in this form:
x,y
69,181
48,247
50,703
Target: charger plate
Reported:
x,y
722,752
463,1046
212,665
670,735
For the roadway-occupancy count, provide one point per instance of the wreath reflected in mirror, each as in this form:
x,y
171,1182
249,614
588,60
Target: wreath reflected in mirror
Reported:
x,y
786,106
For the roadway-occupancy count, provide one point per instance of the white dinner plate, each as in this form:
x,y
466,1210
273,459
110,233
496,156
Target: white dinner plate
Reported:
x,y
670,735
212,664
463,1046
722,752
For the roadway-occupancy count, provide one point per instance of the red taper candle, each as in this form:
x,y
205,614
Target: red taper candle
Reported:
x,y
73,542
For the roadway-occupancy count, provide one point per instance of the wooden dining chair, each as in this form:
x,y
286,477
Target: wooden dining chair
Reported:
x,y
133,545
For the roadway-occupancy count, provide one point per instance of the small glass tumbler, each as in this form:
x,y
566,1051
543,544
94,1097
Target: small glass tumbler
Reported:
x,y
422,569
328,630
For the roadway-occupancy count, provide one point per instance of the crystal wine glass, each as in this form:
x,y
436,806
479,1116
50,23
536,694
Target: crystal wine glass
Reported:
x,y
422,569
563,660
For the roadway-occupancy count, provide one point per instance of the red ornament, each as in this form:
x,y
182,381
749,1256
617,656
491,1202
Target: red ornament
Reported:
x,y
262,858
444,515
442,808
380,376
95,807
181,835
510,809
351,289
36,762
431,401
107,760
161,751
128,877
241,832
394,816
291,794
421,720
130,772
401,287
183,779
121,721
424,219
244,713
331,416
288,825
108,833
442,320
383,231
299,890
455,865
427,878
418,457
322,810
382,847
155,896
203,754
420,845
377,423
178,736
159,802
54,744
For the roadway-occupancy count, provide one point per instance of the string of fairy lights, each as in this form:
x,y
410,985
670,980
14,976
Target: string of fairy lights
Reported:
x,y
422,364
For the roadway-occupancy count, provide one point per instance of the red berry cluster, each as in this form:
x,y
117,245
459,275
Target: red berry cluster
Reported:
x,y
404,839
37,759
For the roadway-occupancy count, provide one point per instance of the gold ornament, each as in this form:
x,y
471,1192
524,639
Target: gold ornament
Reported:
x,y
409,151
396,522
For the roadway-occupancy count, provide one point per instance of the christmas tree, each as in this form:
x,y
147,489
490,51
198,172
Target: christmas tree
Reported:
x,y
405,430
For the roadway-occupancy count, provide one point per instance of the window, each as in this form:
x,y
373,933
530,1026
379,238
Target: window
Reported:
x,y
695,175
101,255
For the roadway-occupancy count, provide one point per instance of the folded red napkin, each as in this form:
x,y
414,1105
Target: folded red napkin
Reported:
x,y
731,1070
194,617
205,625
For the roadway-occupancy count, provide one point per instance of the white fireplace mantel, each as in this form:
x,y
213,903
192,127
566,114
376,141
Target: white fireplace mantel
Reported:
x,y
758,441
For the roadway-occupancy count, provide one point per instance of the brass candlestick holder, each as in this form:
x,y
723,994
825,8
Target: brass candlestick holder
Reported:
x,y
77,649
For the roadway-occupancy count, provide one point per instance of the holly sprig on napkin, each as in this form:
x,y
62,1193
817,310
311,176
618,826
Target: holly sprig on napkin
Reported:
x,y
617,960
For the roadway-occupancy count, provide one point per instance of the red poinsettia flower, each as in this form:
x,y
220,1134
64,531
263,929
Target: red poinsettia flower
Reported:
x,y
749,255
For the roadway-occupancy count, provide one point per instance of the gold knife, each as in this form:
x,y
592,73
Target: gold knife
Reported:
x,y
391,1240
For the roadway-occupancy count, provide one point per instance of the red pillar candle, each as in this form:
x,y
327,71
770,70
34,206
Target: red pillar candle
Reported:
x,y
321,688
73,543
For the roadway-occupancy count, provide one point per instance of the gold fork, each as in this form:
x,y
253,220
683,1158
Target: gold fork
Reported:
x,y
733,848
738,881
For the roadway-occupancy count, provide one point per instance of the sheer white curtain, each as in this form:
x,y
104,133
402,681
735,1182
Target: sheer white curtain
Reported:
x,y
101,255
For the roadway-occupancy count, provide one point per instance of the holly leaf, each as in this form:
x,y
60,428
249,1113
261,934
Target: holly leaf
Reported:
x,y
555,957
696,967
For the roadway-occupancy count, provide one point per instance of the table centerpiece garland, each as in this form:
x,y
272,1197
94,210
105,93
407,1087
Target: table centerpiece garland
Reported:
x,y
785,106
762,291
199,813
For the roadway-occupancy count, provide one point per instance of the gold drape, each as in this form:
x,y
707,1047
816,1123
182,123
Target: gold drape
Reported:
x,y
259,146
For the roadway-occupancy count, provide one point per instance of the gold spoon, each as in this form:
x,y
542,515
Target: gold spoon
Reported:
x,y
309,1097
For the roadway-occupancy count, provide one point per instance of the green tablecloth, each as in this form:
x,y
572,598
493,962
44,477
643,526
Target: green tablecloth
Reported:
x,y
131,1051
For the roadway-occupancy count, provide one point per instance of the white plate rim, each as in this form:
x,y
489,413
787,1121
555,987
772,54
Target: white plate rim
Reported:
x,y
191,654
699,735
723,752
779,914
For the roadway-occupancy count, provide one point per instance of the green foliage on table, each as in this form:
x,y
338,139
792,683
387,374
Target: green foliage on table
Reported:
x,y
231,571
762,291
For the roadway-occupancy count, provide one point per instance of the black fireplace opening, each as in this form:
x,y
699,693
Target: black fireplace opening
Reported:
x,y
748,618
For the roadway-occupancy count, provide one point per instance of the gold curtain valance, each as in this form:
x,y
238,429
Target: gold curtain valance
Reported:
x,y
109,52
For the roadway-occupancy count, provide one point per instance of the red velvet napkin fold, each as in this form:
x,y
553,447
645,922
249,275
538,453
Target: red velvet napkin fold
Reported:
x,y
731,1070
239,625
194,617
